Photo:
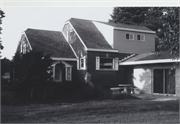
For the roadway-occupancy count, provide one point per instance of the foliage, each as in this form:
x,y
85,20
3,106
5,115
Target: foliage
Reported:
x,y
1,16
129,15
163,20
6,67
32,73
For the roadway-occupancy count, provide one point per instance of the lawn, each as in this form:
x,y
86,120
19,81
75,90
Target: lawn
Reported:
x,y
94,111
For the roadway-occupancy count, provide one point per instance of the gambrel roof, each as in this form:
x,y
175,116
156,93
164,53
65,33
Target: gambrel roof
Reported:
x,y
89,34
50,42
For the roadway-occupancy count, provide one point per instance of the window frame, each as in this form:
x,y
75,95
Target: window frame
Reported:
x,y
140,37
129,36
100,60
68,78
115,64
84,63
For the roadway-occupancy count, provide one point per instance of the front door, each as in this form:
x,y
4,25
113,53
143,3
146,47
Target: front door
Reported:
x,y
164,81
58,73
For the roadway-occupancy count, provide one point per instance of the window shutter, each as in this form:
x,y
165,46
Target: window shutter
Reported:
x,y
68,73
77,63
21,48
97,62
116,64
143,37
131,36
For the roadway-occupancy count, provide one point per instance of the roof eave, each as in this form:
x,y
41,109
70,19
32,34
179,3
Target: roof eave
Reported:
x,y
149,62
137,30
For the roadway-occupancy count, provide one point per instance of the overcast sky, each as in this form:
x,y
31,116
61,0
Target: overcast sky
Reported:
x,y
18,19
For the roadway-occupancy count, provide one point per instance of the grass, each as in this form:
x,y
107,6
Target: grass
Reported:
x,y
94,111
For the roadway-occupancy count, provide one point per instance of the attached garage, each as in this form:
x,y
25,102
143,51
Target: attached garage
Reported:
x,y
154,76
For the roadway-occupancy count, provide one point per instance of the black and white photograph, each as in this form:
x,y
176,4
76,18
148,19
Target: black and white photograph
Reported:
x,y
89,64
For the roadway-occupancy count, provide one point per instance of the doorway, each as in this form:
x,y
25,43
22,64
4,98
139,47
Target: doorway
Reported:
x,y
58,73
164,81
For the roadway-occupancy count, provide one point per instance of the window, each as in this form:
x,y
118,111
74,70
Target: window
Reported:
x,y
141,37
68,73
72,37
82,63
129,36
107,63
24,48
164,81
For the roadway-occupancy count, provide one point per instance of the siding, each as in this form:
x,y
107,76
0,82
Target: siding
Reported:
x,y
133,46
143,76
103,79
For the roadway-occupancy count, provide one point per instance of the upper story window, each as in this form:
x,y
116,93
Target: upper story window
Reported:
x,y
141,37
24,49
129,36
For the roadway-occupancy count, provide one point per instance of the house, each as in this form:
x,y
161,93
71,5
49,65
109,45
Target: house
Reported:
x,y
153,73
93,47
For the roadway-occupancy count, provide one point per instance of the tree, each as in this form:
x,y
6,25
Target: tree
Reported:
x,y
129,15
6,67
32,73
163,20
1,16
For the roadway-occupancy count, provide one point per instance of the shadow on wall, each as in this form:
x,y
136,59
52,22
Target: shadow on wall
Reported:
x,y
142,80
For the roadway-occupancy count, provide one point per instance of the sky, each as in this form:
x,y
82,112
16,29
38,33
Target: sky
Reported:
x,y
51,15
18,19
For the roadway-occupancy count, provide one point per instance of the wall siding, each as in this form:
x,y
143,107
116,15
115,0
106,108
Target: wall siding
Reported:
x,y
133,46
145,72
103,79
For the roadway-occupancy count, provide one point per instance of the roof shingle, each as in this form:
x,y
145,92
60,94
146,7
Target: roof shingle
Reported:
x,y
50,42
149,56
89,33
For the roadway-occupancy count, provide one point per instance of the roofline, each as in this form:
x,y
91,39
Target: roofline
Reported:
x,y
27,40
70,46
149,62
135,30
68,22
65,63
102,50
67,59
23,33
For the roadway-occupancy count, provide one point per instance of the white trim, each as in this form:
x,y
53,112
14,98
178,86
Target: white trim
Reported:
x,y
84,63
23,33
28,41
70,45
102,50
127,29
76,34
68,59
149,62
65,63
66,78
